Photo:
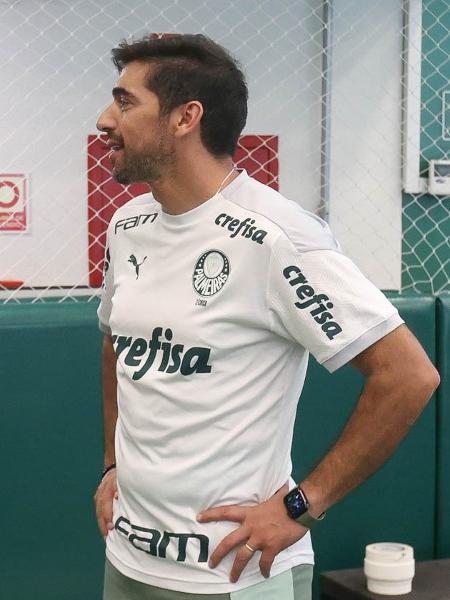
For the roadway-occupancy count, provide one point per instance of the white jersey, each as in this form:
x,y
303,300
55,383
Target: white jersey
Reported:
x,y
212,314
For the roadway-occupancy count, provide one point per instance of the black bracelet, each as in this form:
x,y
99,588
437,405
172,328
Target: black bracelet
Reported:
x,y
108,468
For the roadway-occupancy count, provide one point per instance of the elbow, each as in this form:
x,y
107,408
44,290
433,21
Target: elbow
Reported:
x,y
427,381
423,384
433,379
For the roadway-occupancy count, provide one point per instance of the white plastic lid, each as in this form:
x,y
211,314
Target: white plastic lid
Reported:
x,y
389,552
389,568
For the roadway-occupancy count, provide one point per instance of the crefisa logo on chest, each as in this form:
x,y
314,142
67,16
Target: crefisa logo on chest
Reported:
x,y
211,272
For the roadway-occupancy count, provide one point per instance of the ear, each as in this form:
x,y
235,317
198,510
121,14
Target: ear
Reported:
x,y
188,117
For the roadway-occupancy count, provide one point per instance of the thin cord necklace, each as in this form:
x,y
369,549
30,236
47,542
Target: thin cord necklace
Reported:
x,y
221,185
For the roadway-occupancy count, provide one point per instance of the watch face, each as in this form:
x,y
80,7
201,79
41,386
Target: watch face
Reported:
x,y
296,503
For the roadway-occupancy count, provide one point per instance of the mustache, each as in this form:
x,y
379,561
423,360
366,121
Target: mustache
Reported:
x,y
112,141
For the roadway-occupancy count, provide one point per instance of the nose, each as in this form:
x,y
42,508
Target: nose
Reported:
x,y
106,121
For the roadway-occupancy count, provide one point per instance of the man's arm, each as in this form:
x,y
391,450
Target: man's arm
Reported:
x,y
109,380
400,380
107,488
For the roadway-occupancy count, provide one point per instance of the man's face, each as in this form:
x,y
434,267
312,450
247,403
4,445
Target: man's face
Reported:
x,y
141,143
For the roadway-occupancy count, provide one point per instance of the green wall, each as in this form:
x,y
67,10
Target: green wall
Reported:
x,y
51,435
51,440
426,218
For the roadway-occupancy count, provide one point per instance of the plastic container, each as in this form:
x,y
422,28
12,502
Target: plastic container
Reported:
x,y
389,568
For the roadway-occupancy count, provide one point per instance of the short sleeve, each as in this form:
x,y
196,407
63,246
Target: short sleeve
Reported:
x,y
104,309
321,300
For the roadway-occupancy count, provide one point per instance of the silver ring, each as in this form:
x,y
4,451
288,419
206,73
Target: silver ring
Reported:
x,y
250,548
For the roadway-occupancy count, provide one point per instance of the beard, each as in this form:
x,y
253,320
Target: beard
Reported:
x,y
147,164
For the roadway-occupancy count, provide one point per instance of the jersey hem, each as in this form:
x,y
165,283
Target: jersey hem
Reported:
x,y
200,587
365,340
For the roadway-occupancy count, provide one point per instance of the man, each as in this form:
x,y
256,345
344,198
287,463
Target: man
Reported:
x,y
215,290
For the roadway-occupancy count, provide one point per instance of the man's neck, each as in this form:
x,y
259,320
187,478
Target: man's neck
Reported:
x,y
188,186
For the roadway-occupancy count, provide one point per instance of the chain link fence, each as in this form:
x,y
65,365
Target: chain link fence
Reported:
x,y
426,217
347,107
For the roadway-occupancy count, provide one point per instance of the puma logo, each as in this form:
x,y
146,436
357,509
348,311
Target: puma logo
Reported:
x,y
134,262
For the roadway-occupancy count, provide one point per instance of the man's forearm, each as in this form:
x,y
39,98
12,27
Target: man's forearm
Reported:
x,y
109,380
384,414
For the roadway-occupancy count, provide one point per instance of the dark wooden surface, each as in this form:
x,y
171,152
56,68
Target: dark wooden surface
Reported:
x,y
431,582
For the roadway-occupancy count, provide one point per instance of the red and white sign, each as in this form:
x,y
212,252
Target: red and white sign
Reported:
x,y
13,202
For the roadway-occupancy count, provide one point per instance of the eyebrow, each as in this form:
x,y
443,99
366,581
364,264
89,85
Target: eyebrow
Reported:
x,y
120,91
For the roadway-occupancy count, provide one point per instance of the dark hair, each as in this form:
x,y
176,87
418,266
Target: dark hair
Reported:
x,y
193,67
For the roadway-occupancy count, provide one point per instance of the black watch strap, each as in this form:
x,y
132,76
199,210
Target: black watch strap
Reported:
x,y
108,469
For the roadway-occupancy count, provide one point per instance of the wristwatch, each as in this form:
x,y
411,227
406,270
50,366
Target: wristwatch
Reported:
x,y
297,506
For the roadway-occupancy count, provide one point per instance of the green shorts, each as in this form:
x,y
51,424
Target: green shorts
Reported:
x,y
294,584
